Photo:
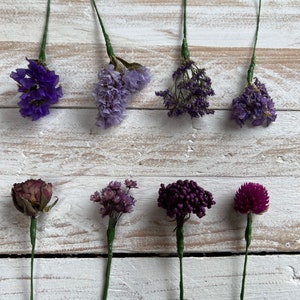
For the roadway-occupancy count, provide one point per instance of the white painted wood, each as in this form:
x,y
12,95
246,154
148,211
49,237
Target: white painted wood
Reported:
x,y
67,149
269,277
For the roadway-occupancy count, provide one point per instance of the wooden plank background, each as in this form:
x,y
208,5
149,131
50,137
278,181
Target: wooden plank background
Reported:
x,y
67,149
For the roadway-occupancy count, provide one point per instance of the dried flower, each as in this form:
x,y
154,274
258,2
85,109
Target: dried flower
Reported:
x,y
31,198
180,199
184,197
114,200
254,104
250,198
189,92
116,84
39,86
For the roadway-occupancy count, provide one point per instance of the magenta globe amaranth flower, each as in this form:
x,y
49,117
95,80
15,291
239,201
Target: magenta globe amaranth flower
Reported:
x,y
189,92
39,87
251,198
255,105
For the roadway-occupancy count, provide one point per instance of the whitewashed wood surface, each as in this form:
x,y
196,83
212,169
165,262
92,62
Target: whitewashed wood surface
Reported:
x,y
67,149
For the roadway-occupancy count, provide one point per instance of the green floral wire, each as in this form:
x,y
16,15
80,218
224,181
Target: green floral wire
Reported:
x,y
32,239
42,55
185,54
253,58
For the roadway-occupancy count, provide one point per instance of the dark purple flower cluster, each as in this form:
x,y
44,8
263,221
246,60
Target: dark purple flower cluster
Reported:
x,y
114,199
189,92
39,87
254,104
113,91
251,198
184,197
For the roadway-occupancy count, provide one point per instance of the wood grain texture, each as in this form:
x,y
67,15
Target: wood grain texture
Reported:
x,y
67,149
269,277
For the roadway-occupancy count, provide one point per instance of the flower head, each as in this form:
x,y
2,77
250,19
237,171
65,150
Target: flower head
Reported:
x,y
189,92
254,104
184,197
114,199
39,87
251,198
32,197
136,78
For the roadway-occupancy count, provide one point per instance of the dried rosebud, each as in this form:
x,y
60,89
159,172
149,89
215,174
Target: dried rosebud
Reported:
x,y
32,196
251,198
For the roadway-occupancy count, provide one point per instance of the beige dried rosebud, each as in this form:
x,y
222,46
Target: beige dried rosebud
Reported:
x,y
32,196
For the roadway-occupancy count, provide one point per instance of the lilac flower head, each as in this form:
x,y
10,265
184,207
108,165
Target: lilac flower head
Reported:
x,y
189,92
184,197
114,199
111,97
39,87
251,198
254,104
136,78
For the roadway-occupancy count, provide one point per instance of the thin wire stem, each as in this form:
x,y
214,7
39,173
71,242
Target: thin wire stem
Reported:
x,y
42,55
253,58
180,249
185,54
109,49
32,239
248,234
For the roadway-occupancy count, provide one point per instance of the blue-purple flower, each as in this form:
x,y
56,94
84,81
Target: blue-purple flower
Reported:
x,y
255,105
189,92
39,87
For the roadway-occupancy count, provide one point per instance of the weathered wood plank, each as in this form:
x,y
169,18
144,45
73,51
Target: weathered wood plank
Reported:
x,y
226,66
75,226
68,143
269,277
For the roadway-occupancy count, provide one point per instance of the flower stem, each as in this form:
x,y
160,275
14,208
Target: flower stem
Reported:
x,y
32,239
248,234
180,248
109,49
110,238
252,63
42,55
185,54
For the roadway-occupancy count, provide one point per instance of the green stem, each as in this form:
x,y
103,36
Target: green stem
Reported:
x,y
185,54
32,239
42,55
110,238
109,49
248,234
180,248
252,63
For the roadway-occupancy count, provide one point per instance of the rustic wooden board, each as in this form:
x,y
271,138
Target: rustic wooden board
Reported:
x,y
67,149
269,277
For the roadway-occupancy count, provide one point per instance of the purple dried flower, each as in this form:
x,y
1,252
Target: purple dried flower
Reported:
x,y
114,199
184,197
111,97
254,104
251,198
136,79
39,88
189,92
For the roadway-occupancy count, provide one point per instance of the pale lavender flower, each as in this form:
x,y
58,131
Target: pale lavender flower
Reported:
x,y
136,79
189,92
111,97
255,105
